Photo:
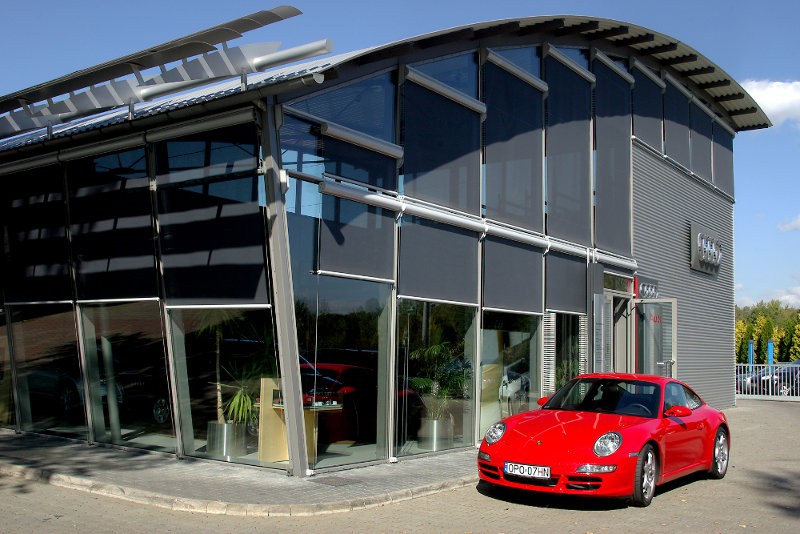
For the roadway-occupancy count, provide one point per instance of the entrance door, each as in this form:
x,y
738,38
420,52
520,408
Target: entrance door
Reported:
x,y
656,336
612,334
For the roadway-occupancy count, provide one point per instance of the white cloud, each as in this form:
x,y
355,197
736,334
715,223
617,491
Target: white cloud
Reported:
x,y
738,287
792,226
780,100
788,297
744,301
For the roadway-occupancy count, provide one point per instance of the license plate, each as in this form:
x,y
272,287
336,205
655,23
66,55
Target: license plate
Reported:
x,y
529,471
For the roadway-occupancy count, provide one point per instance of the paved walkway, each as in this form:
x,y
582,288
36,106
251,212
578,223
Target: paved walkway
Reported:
x,y
220,488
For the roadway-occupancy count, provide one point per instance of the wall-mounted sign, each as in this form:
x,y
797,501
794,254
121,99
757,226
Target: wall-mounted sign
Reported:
x,y
646,288
706,249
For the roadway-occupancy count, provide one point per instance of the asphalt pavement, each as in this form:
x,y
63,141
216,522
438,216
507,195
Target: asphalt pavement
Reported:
x,y
764,444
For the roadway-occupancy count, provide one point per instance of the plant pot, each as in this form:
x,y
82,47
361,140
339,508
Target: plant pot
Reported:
x,y
227,440
435,434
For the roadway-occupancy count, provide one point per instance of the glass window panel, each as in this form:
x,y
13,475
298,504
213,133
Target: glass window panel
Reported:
x,y
438,261
676,125
612,97
49,386
512,276
568,364
648,110
510,368
212,228
305,151
528,58
459,72
37,265
701,142
565,283
578,55
127,372
356,238
569,204
513,133
723,159
345,380
435,362
229,385
442,156
366,106
7,415
111,226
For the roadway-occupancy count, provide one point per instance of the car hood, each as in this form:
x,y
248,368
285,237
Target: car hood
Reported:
x,y
563,432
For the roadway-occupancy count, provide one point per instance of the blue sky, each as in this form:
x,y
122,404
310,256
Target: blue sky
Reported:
x,y
755,42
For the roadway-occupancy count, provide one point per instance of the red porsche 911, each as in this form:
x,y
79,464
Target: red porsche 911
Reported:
x,y
608,435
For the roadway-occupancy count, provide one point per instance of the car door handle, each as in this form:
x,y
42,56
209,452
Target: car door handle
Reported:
x,y
700,426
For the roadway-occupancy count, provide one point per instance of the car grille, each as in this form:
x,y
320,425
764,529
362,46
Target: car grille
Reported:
x,y
489,471
543,482
584,483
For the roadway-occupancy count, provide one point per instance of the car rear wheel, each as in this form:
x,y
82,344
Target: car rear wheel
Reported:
x,y
644,481
719,464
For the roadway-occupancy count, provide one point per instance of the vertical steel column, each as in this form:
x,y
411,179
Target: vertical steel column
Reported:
x,y
283,295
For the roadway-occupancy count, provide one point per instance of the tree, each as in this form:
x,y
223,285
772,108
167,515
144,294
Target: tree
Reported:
x,y
794,352
765,332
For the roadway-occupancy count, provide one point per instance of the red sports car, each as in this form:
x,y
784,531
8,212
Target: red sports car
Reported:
x,y
608,435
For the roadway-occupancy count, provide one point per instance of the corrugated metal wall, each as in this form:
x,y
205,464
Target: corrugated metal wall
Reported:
x,y
665,203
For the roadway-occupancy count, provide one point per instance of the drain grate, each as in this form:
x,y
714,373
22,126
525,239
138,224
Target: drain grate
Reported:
x,y
335,481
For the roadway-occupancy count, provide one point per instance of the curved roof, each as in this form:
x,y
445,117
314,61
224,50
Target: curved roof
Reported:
x,y
706,79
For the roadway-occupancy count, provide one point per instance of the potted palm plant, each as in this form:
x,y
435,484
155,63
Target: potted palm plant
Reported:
x,y
442,379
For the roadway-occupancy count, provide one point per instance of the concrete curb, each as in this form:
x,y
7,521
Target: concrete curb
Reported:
x,y
182,504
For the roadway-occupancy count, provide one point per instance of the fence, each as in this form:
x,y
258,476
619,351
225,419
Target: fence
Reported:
x,y
776,381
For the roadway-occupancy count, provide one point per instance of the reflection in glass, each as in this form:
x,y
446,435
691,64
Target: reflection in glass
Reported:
x,y
7,415
228,385
127,374
49,386
569,178
459,72
568,364
514,149
366,106
510,371
723,158
442,157
111,226
212,230
436,351
34,222
529,58
345,379
304,150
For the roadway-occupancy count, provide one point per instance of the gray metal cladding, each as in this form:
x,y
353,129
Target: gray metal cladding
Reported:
x,y
665,202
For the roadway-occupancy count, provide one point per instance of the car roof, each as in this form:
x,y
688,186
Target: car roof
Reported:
x,y
631,376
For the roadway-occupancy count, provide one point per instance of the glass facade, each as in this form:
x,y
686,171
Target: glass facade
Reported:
x,y
435,364
510,366
433,293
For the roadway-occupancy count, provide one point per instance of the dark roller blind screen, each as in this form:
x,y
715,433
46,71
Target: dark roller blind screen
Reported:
x,y
569,189
723,159
701,142
514,150
612,96
676,125
648,110
356,239
512,276
565,283
438,261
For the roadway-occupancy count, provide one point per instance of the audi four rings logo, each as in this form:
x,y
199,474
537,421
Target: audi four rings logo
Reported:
x,y
648,291
709,249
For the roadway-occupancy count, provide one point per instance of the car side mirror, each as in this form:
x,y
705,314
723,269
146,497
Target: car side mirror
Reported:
x,y
543,401
678,411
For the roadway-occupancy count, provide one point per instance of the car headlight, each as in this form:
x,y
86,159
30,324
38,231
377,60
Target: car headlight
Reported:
x,y
607,444
495,432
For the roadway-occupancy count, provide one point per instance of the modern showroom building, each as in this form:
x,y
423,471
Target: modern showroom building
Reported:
x,y
368,256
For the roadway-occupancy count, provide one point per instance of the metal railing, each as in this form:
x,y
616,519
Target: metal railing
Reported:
x,y
776,381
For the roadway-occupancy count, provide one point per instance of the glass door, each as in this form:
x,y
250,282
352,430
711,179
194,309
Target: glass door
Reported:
x,y
656,336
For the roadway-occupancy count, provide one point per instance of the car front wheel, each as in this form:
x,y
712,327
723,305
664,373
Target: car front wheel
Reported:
x,y
719,464
644,481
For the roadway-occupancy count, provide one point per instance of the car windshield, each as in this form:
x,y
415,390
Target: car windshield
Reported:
x,y
608,395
